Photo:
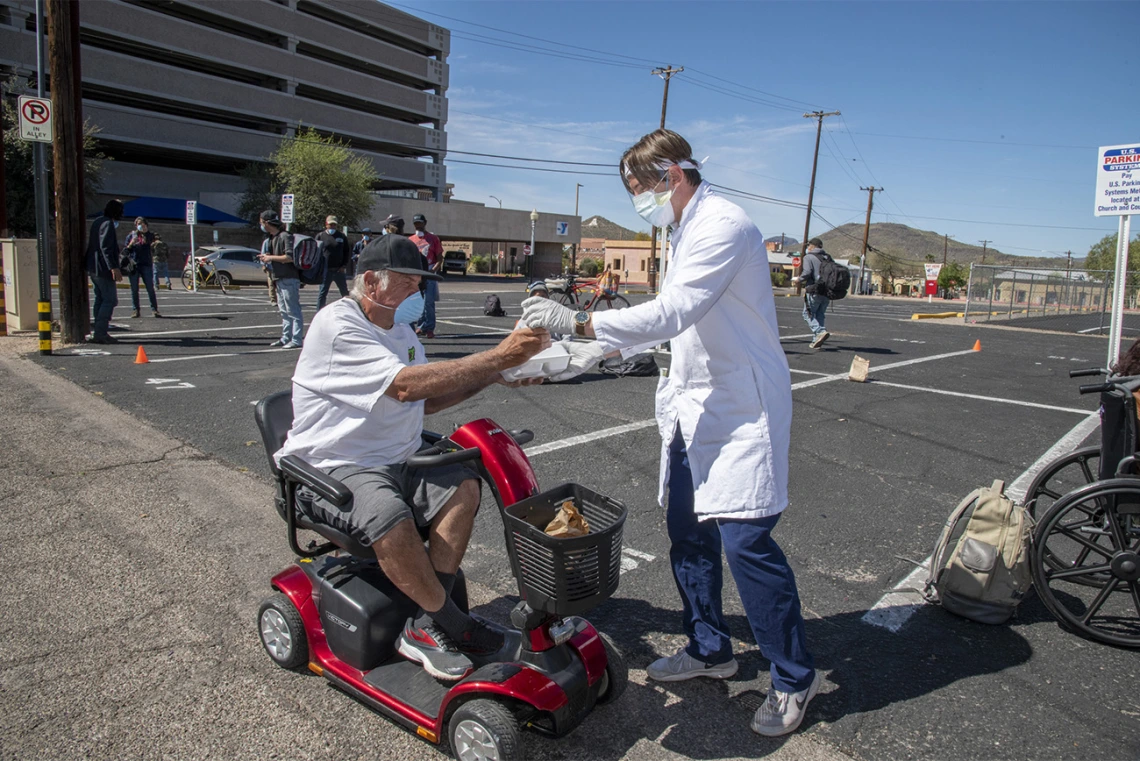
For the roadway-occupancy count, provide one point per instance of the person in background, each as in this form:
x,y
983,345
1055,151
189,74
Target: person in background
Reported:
x,y
432,252
161,254
393,224
138,250
103,268
334,249
268,268
815,304
365,239
286,279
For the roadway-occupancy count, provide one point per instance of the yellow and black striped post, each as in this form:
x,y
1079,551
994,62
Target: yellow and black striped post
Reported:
x,y
44,308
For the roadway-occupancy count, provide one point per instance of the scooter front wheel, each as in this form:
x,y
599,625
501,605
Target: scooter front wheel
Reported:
x,y
484,730
282,632
616,676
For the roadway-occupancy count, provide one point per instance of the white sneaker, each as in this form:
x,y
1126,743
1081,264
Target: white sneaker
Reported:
x,y
819,339
782,712
681,666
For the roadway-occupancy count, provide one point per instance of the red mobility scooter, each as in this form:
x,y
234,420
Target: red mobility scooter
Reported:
x,y
336,614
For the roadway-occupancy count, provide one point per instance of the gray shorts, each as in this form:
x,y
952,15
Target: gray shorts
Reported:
x,y
384,496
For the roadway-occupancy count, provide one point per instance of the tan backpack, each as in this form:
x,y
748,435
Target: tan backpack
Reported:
x,y
980,566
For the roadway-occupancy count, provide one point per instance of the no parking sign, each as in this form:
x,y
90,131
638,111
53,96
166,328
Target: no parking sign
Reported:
x,y
35,119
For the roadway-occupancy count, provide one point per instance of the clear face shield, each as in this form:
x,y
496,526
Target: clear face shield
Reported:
x,y
653,205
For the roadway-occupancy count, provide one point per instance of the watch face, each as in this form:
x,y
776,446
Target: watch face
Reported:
x,y
582,318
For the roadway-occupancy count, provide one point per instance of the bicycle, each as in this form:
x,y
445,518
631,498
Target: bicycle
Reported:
x,y
208,275
600,299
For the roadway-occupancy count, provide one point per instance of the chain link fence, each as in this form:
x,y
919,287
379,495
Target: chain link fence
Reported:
x,y
1077,301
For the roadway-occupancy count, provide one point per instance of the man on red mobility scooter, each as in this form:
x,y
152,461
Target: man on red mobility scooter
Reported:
x,y
360,392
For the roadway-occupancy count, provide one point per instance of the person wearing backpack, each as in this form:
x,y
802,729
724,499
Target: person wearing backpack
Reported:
x,y
815,297
286,280
335,251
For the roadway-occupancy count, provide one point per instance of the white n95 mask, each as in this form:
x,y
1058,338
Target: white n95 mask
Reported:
x,y
655,208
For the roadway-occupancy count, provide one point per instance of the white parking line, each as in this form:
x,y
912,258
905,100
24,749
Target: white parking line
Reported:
x,y
789,338
220,354
585,438
130,336
471,325
897,606
982,398
904,363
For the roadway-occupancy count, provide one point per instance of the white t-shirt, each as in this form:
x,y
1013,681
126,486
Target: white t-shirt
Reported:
x,y
340,413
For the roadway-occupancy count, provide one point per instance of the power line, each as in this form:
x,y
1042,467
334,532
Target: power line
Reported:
x,y
980,142
524,158
535,168
753,89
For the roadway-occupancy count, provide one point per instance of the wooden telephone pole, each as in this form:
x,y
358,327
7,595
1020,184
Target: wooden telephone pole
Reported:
x,y
867,232
666,74
945,247
985,245
818,116
67,145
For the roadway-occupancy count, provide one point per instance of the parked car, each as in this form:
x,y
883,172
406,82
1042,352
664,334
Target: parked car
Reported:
x,y
239,264
455,261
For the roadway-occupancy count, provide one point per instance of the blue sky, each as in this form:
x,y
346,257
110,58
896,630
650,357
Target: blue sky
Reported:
x,y
981,120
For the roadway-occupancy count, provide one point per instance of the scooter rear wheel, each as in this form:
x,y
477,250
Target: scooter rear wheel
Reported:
x,y
282,632
484,730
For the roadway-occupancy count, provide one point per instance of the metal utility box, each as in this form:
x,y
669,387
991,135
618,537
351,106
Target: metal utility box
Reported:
x,y
21,283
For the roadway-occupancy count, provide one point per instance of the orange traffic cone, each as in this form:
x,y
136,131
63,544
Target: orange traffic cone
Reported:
x,y
140,357
977,345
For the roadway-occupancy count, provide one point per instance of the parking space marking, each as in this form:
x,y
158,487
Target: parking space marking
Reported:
x,y
897,606
196,330
998,399
891,366
629,558
585,438
471,325
806,372
221,354
789,338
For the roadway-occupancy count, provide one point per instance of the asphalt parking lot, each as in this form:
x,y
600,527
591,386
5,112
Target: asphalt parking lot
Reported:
x,y
876,468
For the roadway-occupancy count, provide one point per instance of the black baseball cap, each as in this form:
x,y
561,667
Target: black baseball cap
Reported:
x,y
394,253
270,216
366,231
419,218
815,242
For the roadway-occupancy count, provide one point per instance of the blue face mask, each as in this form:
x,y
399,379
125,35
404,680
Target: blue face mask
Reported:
x,y
410,309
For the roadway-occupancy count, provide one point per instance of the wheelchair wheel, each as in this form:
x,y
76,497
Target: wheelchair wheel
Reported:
x,y
1086,561
1060,477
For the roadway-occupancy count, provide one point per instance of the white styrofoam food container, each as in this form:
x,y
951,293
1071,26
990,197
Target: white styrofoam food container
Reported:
x,y
542,365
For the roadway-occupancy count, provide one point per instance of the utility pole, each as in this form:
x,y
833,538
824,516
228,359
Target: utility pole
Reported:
x,y
945,247
867,231
666,74
574,250
67,148
985,244
1068,263
3,195
43,306
818,116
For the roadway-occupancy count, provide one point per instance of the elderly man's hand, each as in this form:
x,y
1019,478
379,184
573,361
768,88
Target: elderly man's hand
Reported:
x,y
522,344
547,313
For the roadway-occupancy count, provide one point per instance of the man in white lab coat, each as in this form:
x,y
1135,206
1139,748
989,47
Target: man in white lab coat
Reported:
x,y
724,414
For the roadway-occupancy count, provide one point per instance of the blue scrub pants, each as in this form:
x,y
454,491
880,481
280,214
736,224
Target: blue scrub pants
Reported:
x,y
763,577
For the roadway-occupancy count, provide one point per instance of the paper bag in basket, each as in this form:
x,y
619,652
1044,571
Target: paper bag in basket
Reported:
x,y
568,522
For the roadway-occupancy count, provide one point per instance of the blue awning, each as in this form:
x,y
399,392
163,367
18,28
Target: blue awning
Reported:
x,y
169,209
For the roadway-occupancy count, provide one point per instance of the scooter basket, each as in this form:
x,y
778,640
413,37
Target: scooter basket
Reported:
x,y
565,576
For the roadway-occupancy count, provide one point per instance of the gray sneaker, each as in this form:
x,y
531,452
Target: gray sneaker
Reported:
x,y
819,339
681,666
782,712
430,647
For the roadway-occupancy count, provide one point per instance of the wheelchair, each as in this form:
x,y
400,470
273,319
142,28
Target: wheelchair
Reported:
x,y
1086,545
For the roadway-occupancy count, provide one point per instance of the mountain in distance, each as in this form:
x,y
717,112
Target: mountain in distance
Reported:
x,y
600,227
913,246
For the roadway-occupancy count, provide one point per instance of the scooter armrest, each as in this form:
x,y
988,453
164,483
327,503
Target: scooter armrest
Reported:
x,y
325,486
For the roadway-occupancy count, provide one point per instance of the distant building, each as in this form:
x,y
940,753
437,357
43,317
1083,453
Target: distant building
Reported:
x,y
186,92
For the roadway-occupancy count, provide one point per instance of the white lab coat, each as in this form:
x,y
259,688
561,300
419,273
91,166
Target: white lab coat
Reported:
x,y
728,389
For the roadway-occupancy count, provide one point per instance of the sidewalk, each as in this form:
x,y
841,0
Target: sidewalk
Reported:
x,y
133,571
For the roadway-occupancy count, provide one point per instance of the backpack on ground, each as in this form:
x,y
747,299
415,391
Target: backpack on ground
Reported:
x,y
307,259
834,278
638,366
492,307
980,566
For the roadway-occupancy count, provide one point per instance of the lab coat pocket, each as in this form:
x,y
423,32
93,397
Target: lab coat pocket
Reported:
x,y
731,402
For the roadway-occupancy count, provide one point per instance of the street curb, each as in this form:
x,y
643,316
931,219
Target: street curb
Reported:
x,y
938,316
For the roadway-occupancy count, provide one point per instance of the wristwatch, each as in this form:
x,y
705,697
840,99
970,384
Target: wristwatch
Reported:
x,y
580,321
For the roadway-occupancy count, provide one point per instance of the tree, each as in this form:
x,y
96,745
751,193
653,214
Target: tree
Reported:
x,y
20,170
952,276
642,236
326,177
260,191
779,279
1102,255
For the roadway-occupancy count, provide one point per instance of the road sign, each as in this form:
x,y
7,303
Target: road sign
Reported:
x,y
931,288
932,271
1118,180
191,212
35,119
796,261
287,208
562,228
526,249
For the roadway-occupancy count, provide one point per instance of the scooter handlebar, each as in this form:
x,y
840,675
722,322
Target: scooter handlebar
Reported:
x,y
1087,372
434,458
